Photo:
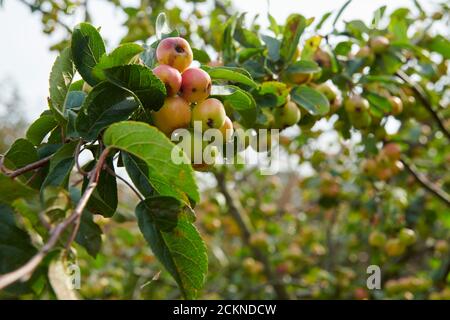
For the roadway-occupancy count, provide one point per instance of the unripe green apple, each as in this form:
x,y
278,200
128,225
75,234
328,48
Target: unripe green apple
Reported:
x,y
298,78
171,78
394,247
396,104
174,114
287,115
195,85
322,58
227,130
360,120
210,113
407,236
377,239
379,44
366,53
175,52
328,90
356,104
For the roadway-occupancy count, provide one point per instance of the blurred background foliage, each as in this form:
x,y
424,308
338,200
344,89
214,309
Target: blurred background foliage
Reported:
x,y
321,222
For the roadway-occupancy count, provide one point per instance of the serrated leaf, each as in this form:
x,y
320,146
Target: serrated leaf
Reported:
x,y
104,198
40,128
61,165
231,74
181,251
124,54
87,49
61,77
140,81
152,146
104,105
310,99
138,172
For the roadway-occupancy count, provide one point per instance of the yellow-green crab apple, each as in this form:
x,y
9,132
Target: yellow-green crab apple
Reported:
x,y
171,78
287,115
396,104
195,85
227,130
175,52
210,114
174,114
379,44
356,104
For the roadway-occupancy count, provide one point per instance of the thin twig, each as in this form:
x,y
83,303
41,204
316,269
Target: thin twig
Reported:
x,y
428,185
111,172
25,271
425,101
277,285
29,167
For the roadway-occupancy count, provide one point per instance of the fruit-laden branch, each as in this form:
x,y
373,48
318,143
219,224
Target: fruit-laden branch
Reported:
x,y
425,101
27,168
25,271
428,185
277,285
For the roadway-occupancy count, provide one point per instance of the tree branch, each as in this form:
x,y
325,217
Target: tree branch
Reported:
x,y
277,285
29,167
425,101
25,271
428,185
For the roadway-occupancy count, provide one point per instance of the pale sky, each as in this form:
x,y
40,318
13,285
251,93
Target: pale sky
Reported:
x,y
26,60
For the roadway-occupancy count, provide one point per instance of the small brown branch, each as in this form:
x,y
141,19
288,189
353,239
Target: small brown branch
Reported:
x,y
425,101
29,167
277,285
111,172
25,271
428,185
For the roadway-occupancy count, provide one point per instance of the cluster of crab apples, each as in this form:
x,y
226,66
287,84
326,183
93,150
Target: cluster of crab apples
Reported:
x,y
188,90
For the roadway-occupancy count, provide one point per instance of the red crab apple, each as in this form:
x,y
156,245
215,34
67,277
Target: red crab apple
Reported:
x,y
175,52
171,78
174,114
210,113
195,85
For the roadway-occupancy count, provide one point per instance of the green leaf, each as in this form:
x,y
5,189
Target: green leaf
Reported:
x,y
74,101
21,153
61,77
87,49
228,50
201,55
295,25
40,128
137,169
104,198
440,45
244,104
61,165
89,234
140,81
303,66
164,211
124,54
378,103
231,74
312,100
245,37
152,146
323,20
273,47
104,105
181,251
340,12
11,190
273,24
278,89
15,246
